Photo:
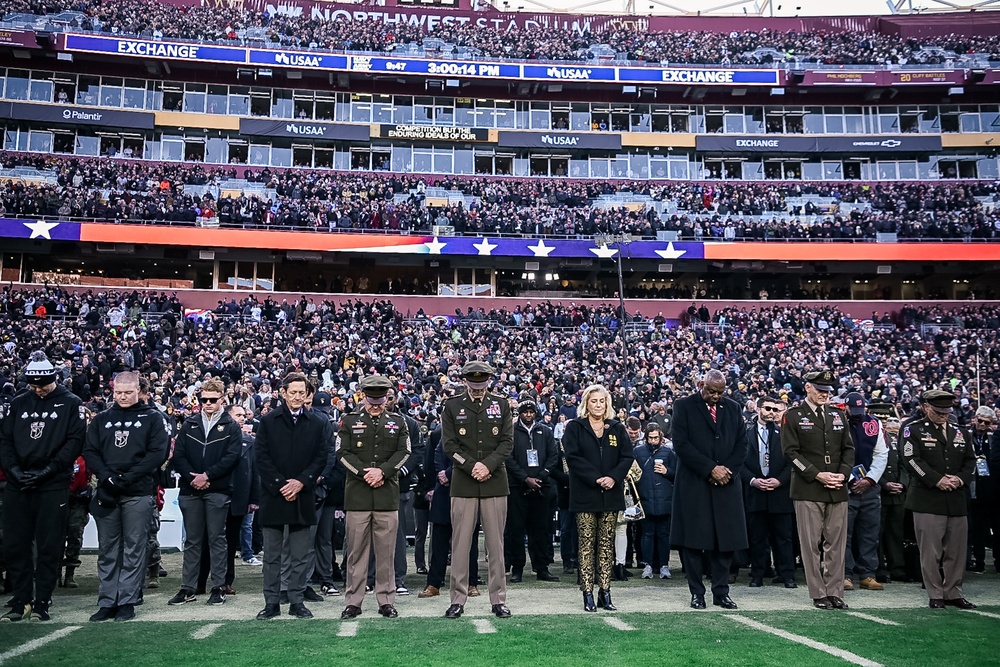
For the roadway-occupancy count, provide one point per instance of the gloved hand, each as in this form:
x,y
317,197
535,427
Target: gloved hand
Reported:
x,y
24,480
113,483
45,473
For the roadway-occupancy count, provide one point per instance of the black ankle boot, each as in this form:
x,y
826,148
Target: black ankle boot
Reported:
x,y
616,572
588,601
604,600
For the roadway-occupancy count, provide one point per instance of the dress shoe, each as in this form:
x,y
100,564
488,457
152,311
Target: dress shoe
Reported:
x,y
791,584
312,596
500,611
588,602
351,611
516,576
725,602
837,603
473,591
429,592
961,603
299,610
269,611
756,582
104,614
848,585
604,600
869,584
822,603
454,611
388,611
545,575
126,612
936,604
697,601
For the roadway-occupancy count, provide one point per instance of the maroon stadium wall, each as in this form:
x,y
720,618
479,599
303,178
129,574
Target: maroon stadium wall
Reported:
x,y
435,305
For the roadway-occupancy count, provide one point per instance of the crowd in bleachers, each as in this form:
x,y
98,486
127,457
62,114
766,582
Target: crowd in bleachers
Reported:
x,y
551,348
131,191
148,18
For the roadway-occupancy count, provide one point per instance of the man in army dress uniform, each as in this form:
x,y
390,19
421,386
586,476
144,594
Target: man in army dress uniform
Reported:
x,y
373,444
940,459
816,439
477,431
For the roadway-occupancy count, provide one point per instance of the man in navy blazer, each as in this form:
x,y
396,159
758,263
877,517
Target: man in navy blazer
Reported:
x,y
710,440
766,477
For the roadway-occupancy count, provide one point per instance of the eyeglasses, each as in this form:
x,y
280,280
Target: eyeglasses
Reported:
x,y
983,421
767,408
206,399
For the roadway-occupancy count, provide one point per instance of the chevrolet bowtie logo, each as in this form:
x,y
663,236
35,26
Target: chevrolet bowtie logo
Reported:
x,y
891,143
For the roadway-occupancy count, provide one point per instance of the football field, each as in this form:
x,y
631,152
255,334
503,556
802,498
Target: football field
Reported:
x,y
773,626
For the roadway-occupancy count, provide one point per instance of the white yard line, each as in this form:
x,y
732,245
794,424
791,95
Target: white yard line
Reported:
x,y
483,626
873,619
206,631
36,643
983,613
618,624
348,629
805,641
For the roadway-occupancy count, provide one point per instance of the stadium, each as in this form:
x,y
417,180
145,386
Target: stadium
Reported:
x,y
408,185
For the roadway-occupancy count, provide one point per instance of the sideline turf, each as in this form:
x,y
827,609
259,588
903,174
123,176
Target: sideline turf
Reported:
x,y
925,638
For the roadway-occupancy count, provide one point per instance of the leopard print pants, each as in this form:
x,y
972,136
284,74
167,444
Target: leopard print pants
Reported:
x,y
596,529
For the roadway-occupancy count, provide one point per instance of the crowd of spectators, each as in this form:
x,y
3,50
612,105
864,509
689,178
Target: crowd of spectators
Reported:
x,y
136,191
148,18
548,349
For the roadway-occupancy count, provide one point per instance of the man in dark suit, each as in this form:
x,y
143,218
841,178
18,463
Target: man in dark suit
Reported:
x,y
710,441
532,494
291,452
766,476
816,440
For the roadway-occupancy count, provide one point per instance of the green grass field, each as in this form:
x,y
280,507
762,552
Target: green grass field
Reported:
x,y
923,637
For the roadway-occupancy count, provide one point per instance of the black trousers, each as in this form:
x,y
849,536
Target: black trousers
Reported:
x,y
694,568
984,516
769,532
892,562
529,514
441,547
37,517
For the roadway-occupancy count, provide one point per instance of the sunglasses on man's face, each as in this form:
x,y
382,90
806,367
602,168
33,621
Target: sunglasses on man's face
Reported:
x,y
984,421
768,408
207,399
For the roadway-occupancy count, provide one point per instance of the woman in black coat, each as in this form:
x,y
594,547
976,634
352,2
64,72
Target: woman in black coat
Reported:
x,y
599,455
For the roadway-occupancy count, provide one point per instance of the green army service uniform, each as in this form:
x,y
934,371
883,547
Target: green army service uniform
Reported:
x,y
817,441
478,432
381,442
929,453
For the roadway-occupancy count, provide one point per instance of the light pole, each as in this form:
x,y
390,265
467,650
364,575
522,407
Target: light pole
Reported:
x,y
622,241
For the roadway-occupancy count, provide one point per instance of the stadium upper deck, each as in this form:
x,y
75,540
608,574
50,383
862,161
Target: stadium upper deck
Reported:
x,y
450,93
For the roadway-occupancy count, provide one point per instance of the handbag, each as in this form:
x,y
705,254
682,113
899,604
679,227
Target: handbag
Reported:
x,y
633,506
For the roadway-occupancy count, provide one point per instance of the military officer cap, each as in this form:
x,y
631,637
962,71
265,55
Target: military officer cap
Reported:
x,y
375,387
821,379
526,405
477,374
941,401
881,409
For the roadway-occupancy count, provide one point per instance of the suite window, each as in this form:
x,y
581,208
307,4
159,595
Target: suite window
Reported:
x,y
17,84
40,88
194,97
239,101
134,96
218,100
